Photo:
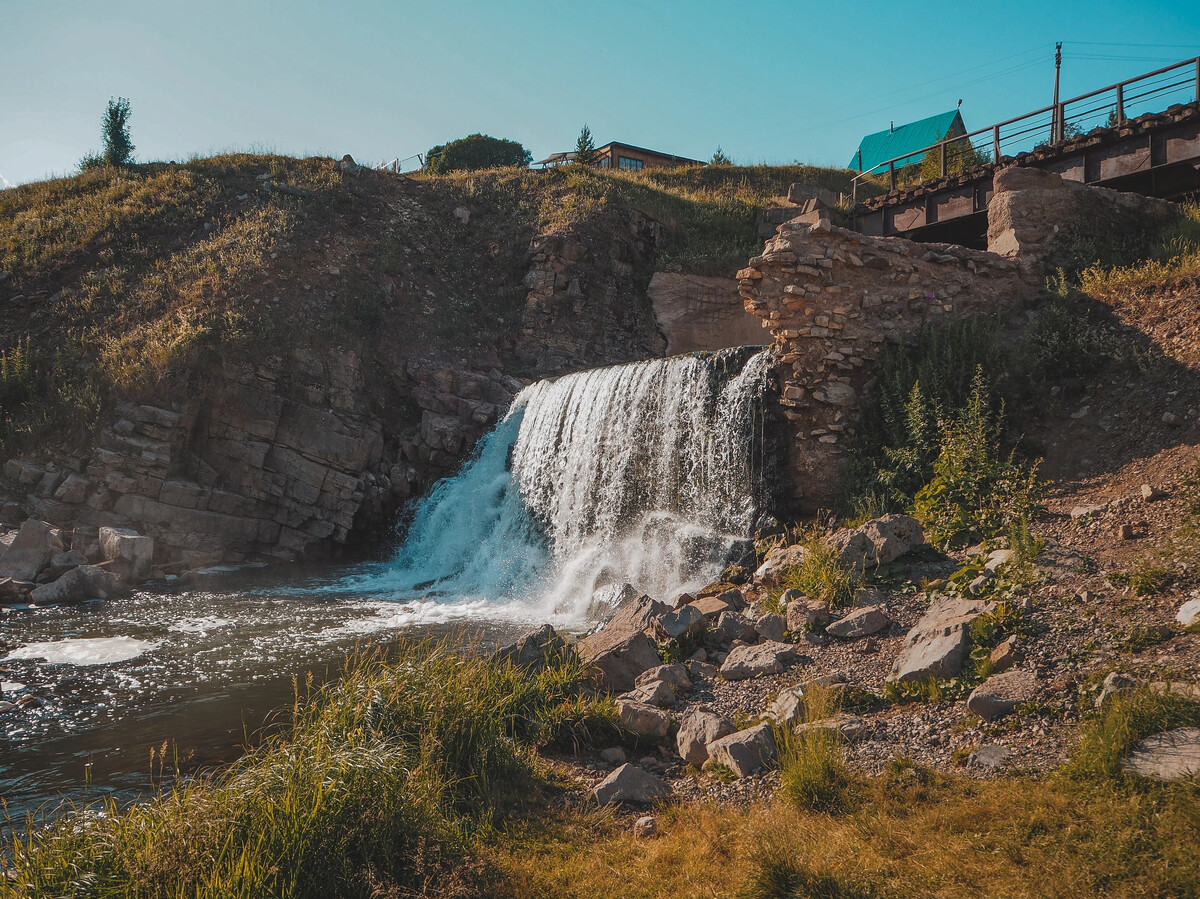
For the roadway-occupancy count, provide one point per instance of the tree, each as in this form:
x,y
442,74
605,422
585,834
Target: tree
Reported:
x,y
585,147
475,151
961,156
719,158
114,130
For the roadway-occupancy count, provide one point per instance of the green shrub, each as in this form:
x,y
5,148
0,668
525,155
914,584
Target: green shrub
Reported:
x,y
473,152
820,576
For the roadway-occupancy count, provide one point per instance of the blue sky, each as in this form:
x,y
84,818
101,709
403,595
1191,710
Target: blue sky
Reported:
x,y
767,81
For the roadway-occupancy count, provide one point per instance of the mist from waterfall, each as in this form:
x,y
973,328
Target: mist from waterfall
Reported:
x,y
647,473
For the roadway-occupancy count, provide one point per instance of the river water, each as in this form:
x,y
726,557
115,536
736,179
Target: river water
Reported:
x,y
649,474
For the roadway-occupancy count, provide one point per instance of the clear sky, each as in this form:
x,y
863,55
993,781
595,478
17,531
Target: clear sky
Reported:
x,y
767,81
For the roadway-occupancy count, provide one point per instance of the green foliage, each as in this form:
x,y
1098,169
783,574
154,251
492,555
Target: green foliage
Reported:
x,y
1067,339
977,490
114,131
813,771
585,147
474,152
820,576
1126,719
961,156
775,873
385,784
1144,577
40,388
719,157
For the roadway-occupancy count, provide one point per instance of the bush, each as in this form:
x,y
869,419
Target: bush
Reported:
x,y
476,151
820,576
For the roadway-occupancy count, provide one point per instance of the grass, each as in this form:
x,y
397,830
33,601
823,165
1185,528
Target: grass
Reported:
x,y
820,576
1126,719
813,771
1175,256
388,784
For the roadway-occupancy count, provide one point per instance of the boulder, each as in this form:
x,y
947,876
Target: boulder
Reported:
x,y
634,617
771,627
859,623
1172,755
878,542
61,563
613,755
938,644
1001,693
608,599
78,584
643,719
788,707
533,651
654,692
848,727
1189,613
754,661
630,784
1004,655
1114,683
128,553
777,561
681,622
14,591
700,727
675,675
620,663
733,626
805,614
744,751
31,551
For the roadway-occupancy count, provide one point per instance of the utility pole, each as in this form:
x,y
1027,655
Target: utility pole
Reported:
x,y
1057,131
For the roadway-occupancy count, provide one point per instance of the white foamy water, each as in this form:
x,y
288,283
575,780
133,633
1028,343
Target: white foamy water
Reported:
x,y
83,651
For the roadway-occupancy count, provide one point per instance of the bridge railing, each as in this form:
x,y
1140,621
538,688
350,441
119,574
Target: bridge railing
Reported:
x,y
1051,125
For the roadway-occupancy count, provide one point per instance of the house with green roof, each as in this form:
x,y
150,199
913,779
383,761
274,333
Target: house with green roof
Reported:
x,y
906,139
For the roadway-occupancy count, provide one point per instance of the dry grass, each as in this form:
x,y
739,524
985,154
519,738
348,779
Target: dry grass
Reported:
x,y
1175,258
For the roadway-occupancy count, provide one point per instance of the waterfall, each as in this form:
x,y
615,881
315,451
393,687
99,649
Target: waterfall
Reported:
x,y
648,473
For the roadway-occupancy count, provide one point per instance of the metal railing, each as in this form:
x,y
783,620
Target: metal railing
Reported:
x,y
1110,106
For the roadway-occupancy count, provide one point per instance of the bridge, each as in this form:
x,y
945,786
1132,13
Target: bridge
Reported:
x,y
1152,153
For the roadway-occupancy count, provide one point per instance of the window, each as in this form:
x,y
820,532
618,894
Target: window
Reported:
x,y
603,163
630,165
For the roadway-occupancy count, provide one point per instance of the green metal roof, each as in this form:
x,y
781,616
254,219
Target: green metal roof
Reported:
x,y
892,142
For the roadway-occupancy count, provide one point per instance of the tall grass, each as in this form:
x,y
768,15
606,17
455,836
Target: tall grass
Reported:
x,y
813,771
385,785
1175,255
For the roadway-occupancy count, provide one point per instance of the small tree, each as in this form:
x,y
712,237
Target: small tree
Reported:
x,y
585,147
475,151
118,147
719,158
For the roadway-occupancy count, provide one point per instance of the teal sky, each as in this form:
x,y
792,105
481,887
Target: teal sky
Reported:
x,y
767,81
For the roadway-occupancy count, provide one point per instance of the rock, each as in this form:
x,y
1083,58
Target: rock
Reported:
x,y
129,553
733,598
754,661
937,645
608,599
6,706
859,623
735,574
878,542
700,727
712,607
680,622
771,627
849,727
788,707
1152,494
463,214
1125,532
733,626
613,755
1004,655
989,756
643,719
675,675
1088,511
655,692
31,551
78,584
630,784
998,558
73,490
1172,419
1189,613
619,663
12,591
1172,755
703,670
806,614
1115,683
634,618
1001,693
777,561
61,563
533,651
744,751
645,827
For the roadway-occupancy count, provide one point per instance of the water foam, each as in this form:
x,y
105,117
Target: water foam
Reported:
x,y
84,651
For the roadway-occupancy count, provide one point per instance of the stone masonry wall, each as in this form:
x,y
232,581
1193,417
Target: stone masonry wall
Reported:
x,y
832,300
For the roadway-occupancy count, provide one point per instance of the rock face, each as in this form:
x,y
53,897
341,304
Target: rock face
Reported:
x,y
877,542
938,644
77,585
754,661
1037,214
1172,755
700,728
31,551
630,784
698,312
1001,693
745,751
533,651
619,663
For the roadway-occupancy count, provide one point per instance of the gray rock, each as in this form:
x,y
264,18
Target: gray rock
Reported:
x,y
788,707
770,572
78,584
645,827
735,626
14,591
620,663
848,727
30,552
806,614
61,563
1172,755
1189,613
631,784
700,727
1114,683
745,751
675,675
654,692
859,623
989,756
613,755
1004,655
998,558
73,490
754,661
1088,511
878,542
533,651
642,719
771,627
1001,693
607,600
129,554
937,645
680,622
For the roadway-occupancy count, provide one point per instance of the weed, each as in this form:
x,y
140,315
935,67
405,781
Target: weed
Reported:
x,y
1144,578
820,576
1126,719
813,771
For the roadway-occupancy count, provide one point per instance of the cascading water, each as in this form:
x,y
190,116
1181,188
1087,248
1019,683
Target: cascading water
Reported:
x,y
648,473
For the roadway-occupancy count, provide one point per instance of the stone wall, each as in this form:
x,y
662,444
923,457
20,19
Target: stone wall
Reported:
x,y
701,312
833,299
